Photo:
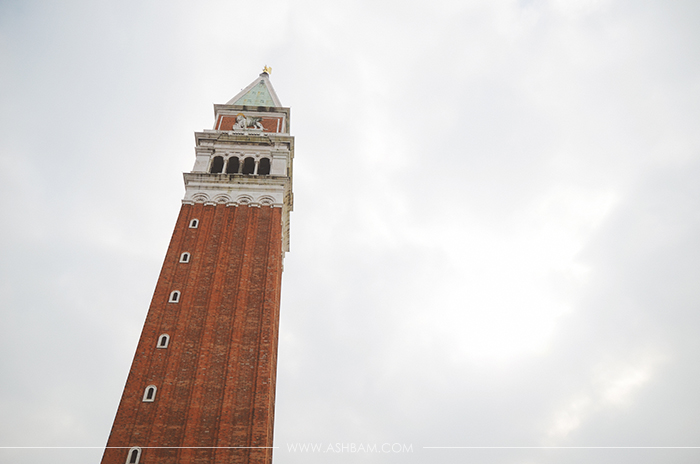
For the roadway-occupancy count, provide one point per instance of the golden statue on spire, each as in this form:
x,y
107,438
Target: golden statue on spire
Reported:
x,y
267,69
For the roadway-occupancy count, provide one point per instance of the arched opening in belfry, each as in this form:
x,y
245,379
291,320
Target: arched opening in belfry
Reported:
x,y
248,166
217,165
232,165
264,166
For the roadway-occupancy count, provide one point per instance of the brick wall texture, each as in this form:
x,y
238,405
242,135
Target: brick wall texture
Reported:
x,y
216,379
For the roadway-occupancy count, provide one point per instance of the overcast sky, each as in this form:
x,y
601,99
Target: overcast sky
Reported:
x,y
495,240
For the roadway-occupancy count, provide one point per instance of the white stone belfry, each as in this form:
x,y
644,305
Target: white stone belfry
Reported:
x,y
246,159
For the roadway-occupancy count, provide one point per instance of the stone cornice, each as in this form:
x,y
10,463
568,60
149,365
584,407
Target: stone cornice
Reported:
x,y
210,137
239,190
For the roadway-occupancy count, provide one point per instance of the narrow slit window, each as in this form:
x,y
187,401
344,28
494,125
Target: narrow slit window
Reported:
x,y
174,297
149,395
232,165
217,165
194,223
185,257
163,341
264,167
134,455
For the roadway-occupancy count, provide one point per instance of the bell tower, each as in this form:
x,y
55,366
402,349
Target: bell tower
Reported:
x,y
201,388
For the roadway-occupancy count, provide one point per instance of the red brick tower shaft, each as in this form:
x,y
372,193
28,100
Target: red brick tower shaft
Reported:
x,y
202,384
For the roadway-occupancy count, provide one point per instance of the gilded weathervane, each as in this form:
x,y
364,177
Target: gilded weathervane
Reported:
x,y
267,69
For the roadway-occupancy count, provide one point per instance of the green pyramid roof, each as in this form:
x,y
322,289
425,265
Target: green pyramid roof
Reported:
x,y
258,93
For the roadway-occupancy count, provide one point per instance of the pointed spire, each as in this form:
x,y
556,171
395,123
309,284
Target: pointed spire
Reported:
x,y
258,93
